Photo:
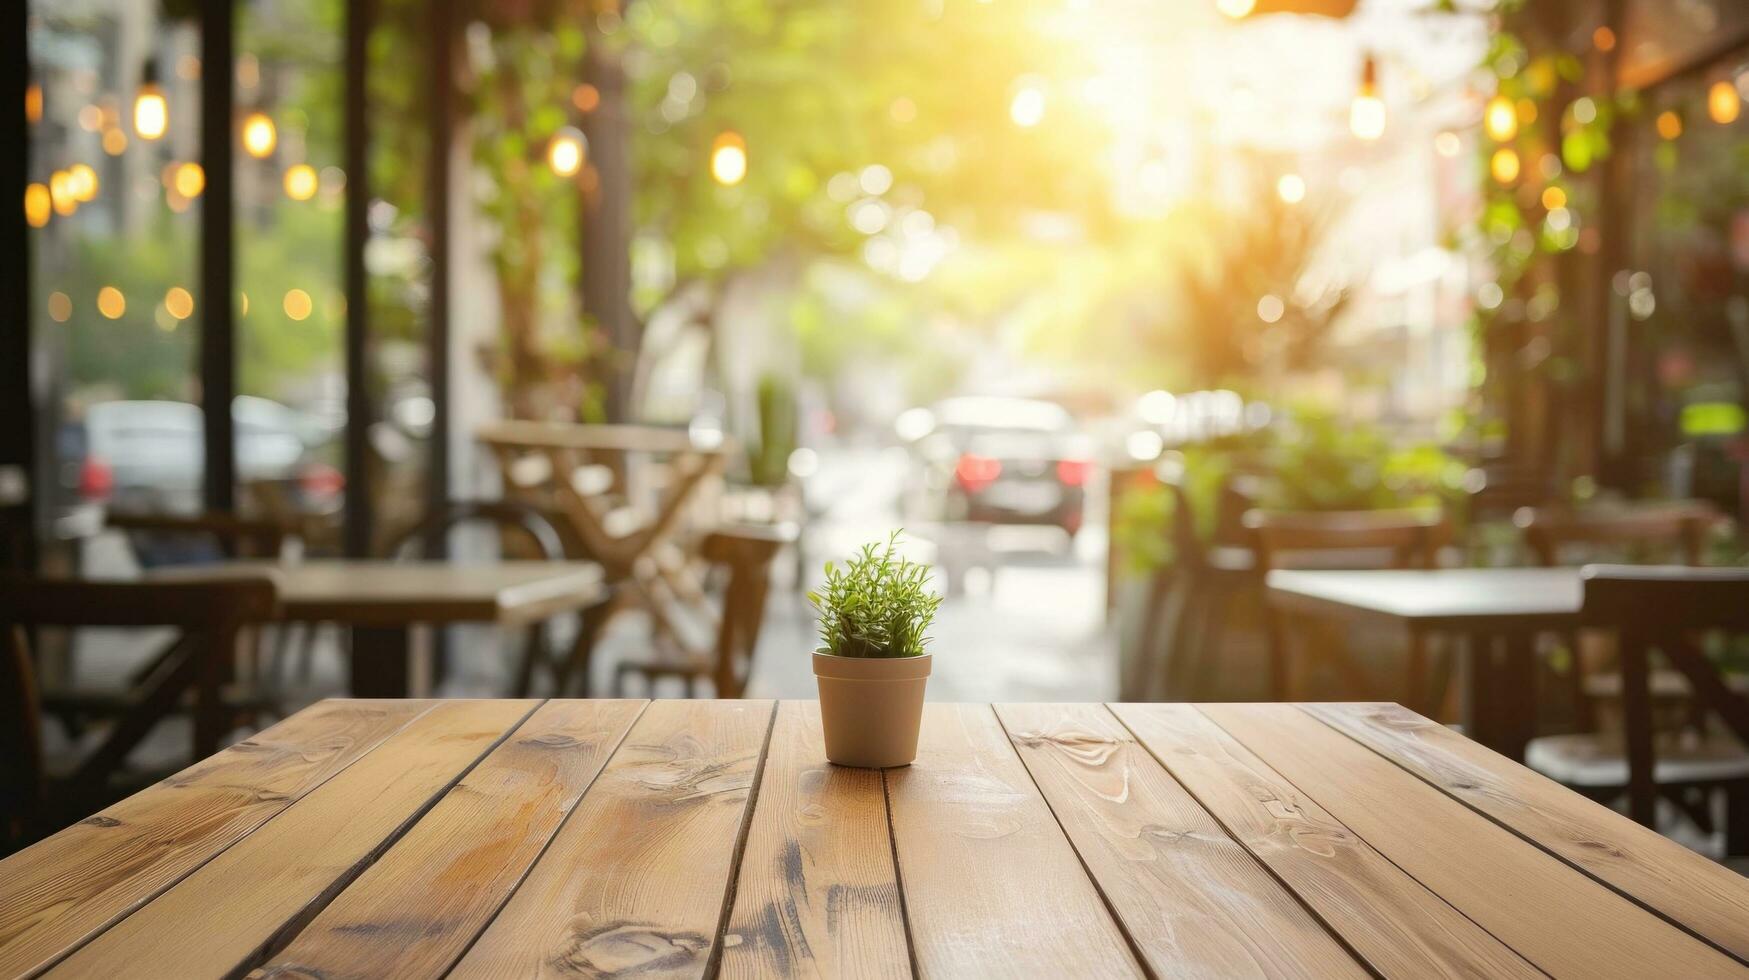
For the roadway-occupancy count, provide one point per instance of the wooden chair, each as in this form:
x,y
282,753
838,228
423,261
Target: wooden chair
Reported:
x,y
529,526
746,552
1188,605
209,615
1662,608
1349,539
1672,531
158,540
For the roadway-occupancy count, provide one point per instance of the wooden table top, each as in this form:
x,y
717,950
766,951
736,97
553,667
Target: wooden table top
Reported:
x,y
685,838
385,593
1445,598
614,438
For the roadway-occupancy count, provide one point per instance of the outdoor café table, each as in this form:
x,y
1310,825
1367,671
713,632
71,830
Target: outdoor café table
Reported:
x,y
698,838
380,601
1498,612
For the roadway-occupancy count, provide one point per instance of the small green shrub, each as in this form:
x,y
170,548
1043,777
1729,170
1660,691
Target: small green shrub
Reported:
x,y
877,605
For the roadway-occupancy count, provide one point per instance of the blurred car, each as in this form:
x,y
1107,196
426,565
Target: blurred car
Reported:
x,y
997,460
146,456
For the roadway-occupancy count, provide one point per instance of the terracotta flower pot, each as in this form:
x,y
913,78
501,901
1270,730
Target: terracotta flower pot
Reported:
x,y
871,708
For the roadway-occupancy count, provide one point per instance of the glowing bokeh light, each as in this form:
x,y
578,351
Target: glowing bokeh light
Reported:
x,y
151,112
111,303
38,205
297,304
300,182
1291,188
260,136
60,307
1723,103
190,180
179,303
1504,165
1669,124
1500,119
565,152
729,159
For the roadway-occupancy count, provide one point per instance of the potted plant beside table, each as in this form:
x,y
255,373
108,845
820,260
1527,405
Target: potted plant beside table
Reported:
x,y
873,662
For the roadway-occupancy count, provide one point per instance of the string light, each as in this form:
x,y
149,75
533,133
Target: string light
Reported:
x,y
1554,198
151,111
111,303
1504,165
179,303
1723,103
565,152
1669,124
190,180
61,193
729,158
115,142
259,134
1291,188
38,205
300,182
1366,116
1500,119
297,304
82,182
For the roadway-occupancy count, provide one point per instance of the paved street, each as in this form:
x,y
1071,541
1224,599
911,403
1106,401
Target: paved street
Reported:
x,y
1024,621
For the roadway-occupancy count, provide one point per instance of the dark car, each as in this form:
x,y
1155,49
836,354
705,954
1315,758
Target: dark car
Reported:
x,y
999,461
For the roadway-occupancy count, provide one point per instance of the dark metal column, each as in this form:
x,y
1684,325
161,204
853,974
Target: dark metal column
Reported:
x,y
441,14
218,254
23,484
360,14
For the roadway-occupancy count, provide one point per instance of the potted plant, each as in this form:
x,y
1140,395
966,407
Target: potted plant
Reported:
x,y
872,664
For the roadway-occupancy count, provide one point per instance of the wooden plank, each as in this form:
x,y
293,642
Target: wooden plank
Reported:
x,y
1559,919
1193,901
58,893
221,917
415,911
635,881
1388,918
1708,898
992,887
818,892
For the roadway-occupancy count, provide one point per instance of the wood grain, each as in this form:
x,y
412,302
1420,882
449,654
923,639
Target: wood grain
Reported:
x,y
1194,902
1707,897
216,920
634,883
1398,926
415,911
818,892
1559,919
992,887
60,892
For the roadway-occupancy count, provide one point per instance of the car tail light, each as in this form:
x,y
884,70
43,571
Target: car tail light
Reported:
x,y
977,472
1073,472
321,481
96,479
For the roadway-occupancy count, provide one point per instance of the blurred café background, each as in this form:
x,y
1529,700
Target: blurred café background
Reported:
x,y
1114,306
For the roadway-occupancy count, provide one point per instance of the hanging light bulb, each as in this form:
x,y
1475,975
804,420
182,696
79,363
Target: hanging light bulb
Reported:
x,y
566,151
1500,119
1366,116
259,134
151,112
729,158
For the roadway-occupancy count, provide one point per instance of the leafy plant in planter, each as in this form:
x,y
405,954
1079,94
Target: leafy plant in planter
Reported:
x,y
877,605
873,662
